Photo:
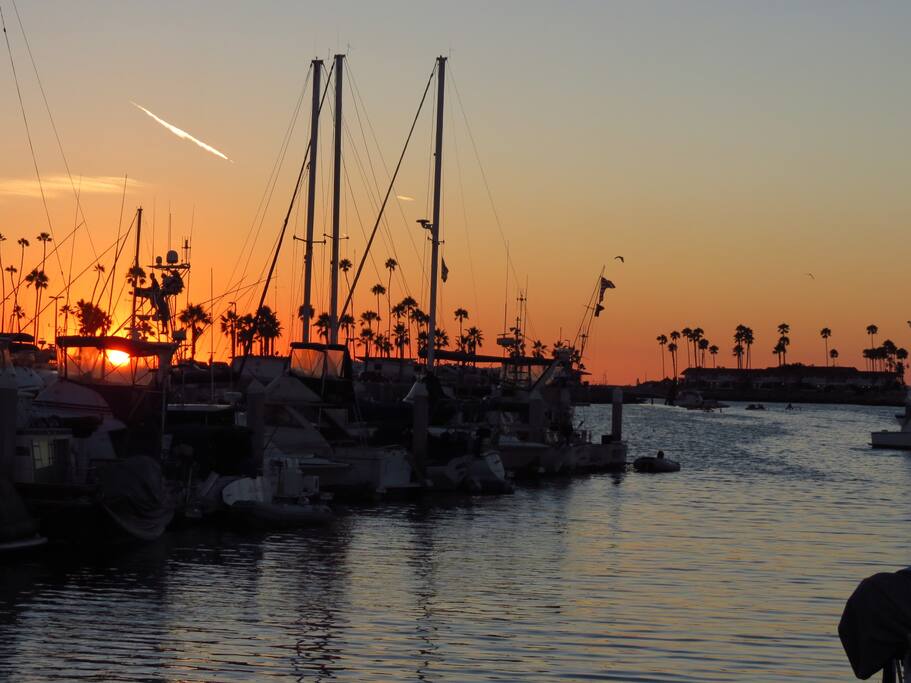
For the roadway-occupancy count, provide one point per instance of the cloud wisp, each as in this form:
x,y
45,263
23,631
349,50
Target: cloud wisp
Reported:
x,y
57,185
183,134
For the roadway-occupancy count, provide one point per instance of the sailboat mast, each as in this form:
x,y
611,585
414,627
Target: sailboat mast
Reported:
x,y
435,226
134,333
311,199
336,201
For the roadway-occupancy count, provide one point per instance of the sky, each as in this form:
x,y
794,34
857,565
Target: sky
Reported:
x,y
725,149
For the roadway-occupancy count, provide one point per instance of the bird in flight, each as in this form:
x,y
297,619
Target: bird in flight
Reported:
x,y
812,277
619,258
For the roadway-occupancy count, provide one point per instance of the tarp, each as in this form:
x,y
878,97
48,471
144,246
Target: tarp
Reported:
x,y
876,623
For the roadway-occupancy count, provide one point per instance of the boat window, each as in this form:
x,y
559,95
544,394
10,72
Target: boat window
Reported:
x,y
308,363
108,366
335,363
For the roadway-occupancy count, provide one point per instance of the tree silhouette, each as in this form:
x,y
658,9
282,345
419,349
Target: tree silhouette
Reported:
x,y
268,329
92,320
12,270
662,342
391,264
833,354
195,318
872,330
378,290
688,337
672,349
713,350
229,328
461,314
39,280
322,324
825,333
538,349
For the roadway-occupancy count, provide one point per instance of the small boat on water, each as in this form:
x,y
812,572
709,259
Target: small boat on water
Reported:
x,y
901,439
755,406
693,400
655,464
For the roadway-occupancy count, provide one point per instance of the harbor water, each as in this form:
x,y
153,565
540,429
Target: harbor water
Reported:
x,y
735,568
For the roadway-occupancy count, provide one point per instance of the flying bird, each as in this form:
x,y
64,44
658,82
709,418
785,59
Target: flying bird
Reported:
x,y
811,276
183,134
619,258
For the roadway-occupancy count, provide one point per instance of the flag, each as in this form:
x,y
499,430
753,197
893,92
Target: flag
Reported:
x,y
444,274
598,310
605,285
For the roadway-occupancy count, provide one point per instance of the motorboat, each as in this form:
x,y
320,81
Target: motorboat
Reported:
x,y
655,464
900,440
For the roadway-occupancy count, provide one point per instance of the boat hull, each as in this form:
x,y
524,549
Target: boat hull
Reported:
x,y
893,440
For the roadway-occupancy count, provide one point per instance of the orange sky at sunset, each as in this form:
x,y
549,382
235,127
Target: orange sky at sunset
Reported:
x,y
725,150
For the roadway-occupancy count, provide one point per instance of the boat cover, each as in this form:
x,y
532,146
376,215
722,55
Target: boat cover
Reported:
x,y
876,623
134,494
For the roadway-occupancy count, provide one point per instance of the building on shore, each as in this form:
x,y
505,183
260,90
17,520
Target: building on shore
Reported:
x,y
795,377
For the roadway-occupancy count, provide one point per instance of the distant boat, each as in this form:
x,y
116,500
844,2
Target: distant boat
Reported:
x,y
901,439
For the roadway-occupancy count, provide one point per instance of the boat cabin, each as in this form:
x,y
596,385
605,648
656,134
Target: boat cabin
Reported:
x,y
113,361
325,369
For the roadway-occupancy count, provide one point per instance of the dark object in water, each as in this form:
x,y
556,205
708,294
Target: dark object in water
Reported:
x,y
655,464
255,514
755,406
18,530
875,625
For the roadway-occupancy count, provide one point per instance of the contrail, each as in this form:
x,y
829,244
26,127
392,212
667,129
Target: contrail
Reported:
x,y
182,133
405,198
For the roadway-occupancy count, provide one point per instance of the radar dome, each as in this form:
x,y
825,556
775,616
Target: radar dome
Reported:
x,y
173,258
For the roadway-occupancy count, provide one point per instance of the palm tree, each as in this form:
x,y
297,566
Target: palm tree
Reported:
x,y
400,337
322,324
305,315
99,271
672,349
825,333
196,318
22,242
229,329
784,342
440,339
391,265
872,330
378,290
739,334
662,342
366,337
460,315
703,347
268,329
12,270
92,319
738,353
697,336
833,354
538,349
346,322
688,336
345,265
714,351
246,332
40,280
368,318
748,340
3,285
136,276
778,349
475,339
784,329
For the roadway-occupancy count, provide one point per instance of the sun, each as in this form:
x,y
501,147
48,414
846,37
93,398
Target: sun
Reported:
x,y
117,358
